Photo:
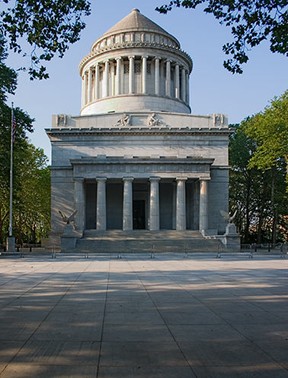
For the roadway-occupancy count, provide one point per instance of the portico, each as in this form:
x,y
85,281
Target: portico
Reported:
x,y
141,199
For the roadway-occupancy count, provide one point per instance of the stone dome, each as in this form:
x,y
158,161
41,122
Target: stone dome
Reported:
x,y
136,21
135,66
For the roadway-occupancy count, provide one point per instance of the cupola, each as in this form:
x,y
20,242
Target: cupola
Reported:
x,y
135,66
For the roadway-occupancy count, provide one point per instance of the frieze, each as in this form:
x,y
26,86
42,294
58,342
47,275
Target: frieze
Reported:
x,y
142,170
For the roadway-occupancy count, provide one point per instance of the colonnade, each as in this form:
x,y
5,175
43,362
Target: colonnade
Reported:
x,y
159,76
154,208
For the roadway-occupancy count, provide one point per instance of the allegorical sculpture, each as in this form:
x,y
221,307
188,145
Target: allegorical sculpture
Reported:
x,y
69,219
229,218
231,238
153,120
69,236
124,120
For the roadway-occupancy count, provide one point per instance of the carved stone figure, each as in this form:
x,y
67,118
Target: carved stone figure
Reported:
x,y
124,120
153,120
61,119
218,120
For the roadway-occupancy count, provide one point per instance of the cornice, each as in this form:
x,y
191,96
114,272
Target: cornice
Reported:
x,y
135,131
138,44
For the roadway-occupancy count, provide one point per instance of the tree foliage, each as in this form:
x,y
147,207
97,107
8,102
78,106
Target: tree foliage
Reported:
x,y
258,195
8,77
250,21
241,148
48,26
270,131
31,179
32,195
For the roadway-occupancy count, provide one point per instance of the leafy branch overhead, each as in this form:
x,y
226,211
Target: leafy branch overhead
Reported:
x,y
8,77
48,26
250,21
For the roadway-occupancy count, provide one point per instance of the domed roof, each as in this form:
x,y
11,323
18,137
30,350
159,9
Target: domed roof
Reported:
x,y
136,21
121,50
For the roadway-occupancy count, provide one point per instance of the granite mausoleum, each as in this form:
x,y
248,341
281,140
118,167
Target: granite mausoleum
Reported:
x,y
135,158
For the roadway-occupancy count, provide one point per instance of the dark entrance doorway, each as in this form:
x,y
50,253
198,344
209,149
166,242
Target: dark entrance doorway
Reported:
x,y
139,215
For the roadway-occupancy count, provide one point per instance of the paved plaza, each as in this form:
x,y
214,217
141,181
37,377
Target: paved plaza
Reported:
x,y
170,316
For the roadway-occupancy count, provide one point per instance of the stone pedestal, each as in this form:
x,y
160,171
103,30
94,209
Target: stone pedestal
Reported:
x,y
231,238
10,244
69,238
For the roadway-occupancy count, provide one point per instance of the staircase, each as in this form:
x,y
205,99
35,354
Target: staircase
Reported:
x,y
137,241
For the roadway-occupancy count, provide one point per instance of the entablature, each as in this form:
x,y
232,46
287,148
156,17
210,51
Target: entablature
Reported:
x,y
142,167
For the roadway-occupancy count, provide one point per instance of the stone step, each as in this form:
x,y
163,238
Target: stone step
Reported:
x,y
140,234
145,241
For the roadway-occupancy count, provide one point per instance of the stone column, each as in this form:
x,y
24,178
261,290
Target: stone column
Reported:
x,y
157,76
177,81
181,204
96,81
118,76
187,88
89,85
128,204
83,97
174,189
168,78
101,203
203,206
112,79
144,74
154,204
106,79
131,74
183,85
86,87
79,201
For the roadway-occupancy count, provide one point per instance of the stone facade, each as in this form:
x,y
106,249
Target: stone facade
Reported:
x,y
136,158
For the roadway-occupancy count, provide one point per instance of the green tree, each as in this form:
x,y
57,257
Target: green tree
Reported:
x,y
48,27
31,181
241,148
8,76
32,197
251,22
270,131
258,195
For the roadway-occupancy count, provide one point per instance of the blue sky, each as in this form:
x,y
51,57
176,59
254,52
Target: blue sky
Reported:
x,y
212,88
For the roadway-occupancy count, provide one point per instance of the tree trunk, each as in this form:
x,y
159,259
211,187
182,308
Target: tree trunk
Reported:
x,y
2,221
259,228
